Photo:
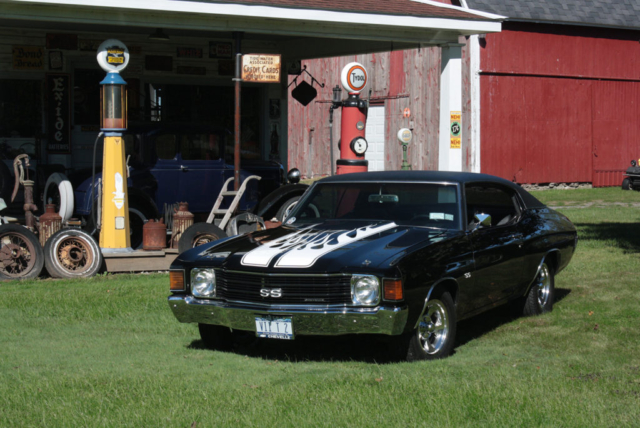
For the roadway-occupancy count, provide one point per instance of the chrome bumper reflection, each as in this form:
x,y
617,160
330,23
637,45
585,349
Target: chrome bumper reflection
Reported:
x,y
307,320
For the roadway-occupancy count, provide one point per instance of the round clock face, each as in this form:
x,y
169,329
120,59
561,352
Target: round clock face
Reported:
x,y
359,145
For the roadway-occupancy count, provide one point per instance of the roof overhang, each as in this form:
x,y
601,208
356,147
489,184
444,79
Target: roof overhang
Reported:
x,y
363,32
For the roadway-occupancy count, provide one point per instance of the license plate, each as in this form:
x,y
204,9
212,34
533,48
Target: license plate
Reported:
x,y
274,327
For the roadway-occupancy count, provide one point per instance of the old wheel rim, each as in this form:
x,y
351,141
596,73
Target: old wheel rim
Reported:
x,y
74,254
544,286
204,238
434,327
17,255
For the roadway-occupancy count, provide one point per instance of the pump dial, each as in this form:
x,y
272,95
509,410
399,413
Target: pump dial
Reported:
x,y
359,145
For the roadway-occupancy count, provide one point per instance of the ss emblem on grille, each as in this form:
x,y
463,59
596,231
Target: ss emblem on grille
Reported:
x,y
271,292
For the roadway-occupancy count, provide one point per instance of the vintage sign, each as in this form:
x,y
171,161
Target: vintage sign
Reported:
x,y
220,50
58,114
184,52
113,55
28,58
261,68
456,129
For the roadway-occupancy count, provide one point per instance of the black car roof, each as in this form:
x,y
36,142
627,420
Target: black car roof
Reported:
x,y
442,176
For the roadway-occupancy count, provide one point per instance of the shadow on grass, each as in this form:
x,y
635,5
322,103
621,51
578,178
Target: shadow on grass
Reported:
x,y
363,348
479,325
626,235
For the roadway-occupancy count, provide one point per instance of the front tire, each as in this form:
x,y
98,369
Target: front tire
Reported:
x,y
199,234
286,208
435,334
72,253
540,298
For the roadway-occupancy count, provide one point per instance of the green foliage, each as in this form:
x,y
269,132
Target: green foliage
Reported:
x,y
108,352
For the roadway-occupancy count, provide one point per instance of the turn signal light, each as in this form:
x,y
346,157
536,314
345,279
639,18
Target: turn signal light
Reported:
x,y
393,289
176,280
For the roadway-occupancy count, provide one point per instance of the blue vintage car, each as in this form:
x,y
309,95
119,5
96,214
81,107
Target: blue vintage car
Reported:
x,y
403,254
173,163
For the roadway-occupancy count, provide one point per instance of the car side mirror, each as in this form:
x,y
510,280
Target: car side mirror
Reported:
x,y
483,220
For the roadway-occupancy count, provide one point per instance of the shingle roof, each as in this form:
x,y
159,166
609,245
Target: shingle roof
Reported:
x,y
610,13
387,7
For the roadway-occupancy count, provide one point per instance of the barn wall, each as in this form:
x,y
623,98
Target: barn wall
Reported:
x,y
560,103
399,80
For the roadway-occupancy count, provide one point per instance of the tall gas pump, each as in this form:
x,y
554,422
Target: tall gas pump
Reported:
x,y
113,57
353,145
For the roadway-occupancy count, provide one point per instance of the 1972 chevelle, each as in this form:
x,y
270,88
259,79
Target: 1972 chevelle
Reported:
x,y
406,254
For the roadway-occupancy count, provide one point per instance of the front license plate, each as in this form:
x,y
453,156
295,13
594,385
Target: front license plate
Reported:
x,y
274,327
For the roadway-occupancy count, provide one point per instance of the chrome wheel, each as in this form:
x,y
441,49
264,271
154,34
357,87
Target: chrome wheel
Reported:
x,y
543,285
434,327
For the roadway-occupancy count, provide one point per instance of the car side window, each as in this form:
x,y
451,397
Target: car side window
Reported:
x,y
166,146
200,147
499,202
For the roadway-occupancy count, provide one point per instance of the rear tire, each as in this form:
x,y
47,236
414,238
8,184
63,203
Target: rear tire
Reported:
x,y
72,253
216,337
199,234
540,298
21,255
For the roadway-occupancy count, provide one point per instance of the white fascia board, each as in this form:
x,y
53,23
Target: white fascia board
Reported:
x,y
464,9
268,12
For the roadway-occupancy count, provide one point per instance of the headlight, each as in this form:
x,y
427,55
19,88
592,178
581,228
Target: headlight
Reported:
x,y
365,290
203,282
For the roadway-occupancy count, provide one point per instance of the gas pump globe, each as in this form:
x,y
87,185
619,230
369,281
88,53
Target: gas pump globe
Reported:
x,y
113,103
113,57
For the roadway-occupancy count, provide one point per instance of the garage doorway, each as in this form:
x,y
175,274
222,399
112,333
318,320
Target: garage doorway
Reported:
x,y
374,133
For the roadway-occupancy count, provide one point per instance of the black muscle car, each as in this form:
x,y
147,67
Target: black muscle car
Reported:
x,y
406,254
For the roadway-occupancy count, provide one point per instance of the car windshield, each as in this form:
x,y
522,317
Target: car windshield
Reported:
x,y
410,204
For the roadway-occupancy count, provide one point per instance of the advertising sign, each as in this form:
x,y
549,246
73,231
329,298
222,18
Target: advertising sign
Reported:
x,y
28,58
456,129
261,68
58,114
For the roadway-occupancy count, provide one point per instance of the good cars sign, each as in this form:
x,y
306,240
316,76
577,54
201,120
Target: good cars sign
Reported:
x,y
261,68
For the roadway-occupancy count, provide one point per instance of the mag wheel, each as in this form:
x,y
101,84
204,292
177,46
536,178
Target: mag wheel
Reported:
x,y
542,293
434,336
21,255
72,253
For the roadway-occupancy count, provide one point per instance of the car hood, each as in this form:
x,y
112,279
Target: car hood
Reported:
x,y
328,247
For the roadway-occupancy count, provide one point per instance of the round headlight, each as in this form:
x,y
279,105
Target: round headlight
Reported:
x,y
203,282
365,290
293,176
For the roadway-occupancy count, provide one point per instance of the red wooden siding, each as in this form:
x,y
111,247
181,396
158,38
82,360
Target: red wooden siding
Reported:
x,y
399,79
560,104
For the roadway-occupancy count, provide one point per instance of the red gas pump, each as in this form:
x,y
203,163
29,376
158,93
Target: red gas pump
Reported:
x,y
353,145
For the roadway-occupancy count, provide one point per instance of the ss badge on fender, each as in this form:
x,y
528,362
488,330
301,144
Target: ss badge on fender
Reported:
x,y
271,292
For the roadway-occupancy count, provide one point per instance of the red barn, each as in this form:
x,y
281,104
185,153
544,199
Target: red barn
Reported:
x,y
553,98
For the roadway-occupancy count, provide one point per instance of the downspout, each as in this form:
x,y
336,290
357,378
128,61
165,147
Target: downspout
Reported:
x,y
474,95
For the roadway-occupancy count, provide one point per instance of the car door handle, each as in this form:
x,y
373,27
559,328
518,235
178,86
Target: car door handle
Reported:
x,y
184,168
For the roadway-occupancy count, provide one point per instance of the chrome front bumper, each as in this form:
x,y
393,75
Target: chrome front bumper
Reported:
x,y
307,320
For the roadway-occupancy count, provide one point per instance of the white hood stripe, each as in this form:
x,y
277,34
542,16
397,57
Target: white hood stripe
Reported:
x,y
303,248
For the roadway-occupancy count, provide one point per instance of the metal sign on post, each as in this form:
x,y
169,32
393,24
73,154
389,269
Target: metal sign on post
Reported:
x,y
261,68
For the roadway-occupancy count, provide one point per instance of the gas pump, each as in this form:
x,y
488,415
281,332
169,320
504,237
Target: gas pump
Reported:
x,y
113,57
353,145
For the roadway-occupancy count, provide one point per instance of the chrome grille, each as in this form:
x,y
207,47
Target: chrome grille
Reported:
x,y
296,289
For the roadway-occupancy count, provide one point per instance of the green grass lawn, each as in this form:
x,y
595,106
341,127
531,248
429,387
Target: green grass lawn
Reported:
x,y
108,352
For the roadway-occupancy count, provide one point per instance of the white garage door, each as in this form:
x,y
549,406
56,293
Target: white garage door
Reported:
x,y
374,133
